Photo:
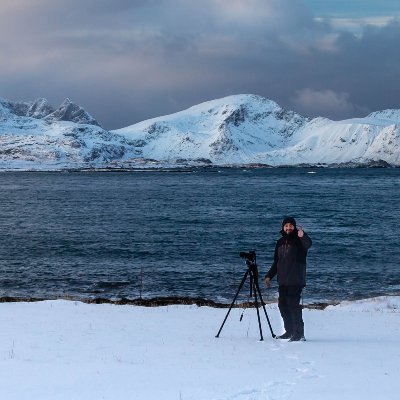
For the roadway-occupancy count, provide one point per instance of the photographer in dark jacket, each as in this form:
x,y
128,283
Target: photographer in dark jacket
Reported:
x,y
290,267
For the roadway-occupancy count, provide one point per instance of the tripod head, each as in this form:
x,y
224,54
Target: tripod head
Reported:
x,y
248,255
251,261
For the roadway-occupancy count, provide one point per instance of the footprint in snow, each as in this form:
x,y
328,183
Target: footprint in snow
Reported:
x,y
271,391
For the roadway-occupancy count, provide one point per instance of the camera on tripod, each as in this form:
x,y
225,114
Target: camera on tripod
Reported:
x,y
248,255
251,263
252,273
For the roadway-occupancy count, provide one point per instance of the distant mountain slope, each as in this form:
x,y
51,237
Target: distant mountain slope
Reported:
x,y
252,129
235,130
42,109
36,136
361,140
391,116
231,130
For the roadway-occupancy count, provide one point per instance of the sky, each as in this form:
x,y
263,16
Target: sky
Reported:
x,y
125,61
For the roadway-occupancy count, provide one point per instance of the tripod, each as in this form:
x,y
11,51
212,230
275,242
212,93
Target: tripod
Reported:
x,y
252,271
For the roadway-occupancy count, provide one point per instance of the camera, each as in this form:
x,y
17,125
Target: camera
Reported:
x,y
248,255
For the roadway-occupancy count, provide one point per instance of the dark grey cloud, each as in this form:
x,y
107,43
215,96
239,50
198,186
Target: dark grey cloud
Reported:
x,y
126,61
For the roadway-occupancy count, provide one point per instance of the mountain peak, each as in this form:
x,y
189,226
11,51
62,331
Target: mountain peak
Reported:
x,y
228,128
236,101
39,108
42,109
18,108
390,115
69,111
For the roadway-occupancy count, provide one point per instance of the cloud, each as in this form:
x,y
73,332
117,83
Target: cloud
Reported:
x,y
326,102
126,60
356,25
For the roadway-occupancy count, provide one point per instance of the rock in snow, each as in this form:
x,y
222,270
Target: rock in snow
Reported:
x,y
68,111
235,130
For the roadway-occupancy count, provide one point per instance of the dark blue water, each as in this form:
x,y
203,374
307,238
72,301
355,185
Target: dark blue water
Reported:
x,y
116,235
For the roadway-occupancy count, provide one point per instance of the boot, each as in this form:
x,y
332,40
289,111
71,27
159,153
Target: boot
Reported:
x,y
297,338
298,335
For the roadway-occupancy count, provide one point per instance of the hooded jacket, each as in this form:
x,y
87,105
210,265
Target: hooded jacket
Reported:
x,y
290,259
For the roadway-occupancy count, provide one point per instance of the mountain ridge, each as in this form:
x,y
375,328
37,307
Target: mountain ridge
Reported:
x,y
42,109
235,130
244,129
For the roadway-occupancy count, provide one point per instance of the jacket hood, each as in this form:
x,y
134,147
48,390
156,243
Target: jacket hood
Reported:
x,y
288,220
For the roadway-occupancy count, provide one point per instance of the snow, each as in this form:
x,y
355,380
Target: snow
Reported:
x,y
234,130
230,130
72,350
250,129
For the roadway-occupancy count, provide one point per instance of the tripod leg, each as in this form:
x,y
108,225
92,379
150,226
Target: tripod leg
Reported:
x,y
265,311
258,311
233,301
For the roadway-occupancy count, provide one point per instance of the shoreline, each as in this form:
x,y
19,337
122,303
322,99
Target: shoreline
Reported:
x,y
186,166
167,301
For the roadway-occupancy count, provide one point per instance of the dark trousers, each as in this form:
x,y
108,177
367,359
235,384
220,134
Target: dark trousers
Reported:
x,y
290,309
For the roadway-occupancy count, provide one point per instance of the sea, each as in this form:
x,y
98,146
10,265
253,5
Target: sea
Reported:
x,y
178,233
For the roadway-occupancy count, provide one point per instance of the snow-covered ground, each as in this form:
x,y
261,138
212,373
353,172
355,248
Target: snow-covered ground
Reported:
x,y
71,350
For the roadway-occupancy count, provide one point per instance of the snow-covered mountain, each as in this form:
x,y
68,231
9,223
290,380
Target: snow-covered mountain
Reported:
x,y
42,109
240,129
252,129
361,140
37,136
231,130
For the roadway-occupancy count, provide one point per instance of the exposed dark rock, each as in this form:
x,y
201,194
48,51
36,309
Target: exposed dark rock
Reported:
x,y
136,143
223,144
69,111
39,109
105,153
237,117
155,130
16,107
154,302
203,160
42,109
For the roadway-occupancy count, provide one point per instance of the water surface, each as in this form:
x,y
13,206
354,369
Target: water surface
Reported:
x,y
118,235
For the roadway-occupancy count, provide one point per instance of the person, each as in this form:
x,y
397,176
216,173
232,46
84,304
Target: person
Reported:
x,y
290,267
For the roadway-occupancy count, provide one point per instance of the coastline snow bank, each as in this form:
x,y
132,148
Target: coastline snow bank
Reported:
x,y
72,350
